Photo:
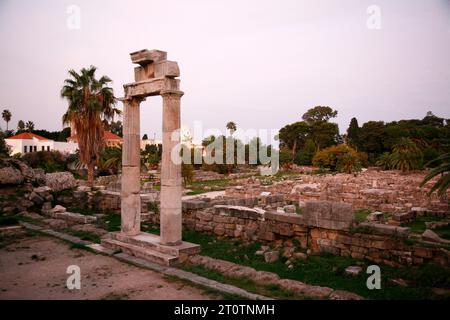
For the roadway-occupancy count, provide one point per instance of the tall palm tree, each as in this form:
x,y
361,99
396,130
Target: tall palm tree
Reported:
x,y
91,104
6,115
232,127
443,170
29,126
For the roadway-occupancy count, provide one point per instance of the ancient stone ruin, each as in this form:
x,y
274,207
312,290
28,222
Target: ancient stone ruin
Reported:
x,y
154,76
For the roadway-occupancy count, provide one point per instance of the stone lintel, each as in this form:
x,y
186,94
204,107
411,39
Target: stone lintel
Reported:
x,y
150,87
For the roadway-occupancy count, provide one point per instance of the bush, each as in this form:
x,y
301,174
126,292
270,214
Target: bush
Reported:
x,y
341,158
50,161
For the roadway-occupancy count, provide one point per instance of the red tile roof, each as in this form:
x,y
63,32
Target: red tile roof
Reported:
x,y
106,134
28,136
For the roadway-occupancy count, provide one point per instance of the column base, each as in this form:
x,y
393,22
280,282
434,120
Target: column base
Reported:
x,y
149,247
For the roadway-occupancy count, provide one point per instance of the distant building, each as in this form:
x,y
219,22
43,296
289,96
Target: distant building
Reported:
x,y
111,139
29,142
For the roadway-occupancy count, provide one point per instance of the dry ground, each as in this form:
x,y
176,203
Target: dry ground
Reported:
x,y
35,268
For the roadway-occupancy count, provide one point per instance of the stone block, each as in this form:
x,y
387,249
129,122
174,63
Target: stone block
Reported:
x,y
145,57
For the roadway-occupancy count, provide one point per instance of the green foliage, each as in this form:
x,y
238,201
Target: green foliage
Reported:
x,y
443,171
50,161
319,114
4,148
110,161
304,156
341,158
384,161
54,135
151,155
406,156
187,172
353,134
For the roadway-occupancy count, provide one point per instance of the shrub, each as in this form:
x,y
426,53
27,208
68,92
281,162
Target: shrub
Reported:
x,y
340,158
187,172
50,161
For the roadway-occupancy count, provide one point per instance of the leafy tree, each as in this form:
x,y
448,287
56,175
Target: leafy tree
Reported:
x,y
293,136
353,134
6,115
29,126
304,157
443,170
324,134
145,137
91,102
373,134
319,114
231,126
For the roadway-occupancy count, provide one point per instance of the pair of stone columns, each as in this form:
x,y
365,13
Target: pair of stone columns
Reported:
x,y
170,207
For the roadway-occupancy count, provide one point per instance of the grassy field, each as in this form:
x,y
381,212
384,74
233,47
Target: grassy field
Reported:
x,y
325,270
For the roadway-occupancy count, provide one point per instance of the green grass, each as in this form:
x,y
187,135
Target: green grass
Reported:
x,y
443,232
84,235
325,269
418,224
111,221
198,187
361,215
84,211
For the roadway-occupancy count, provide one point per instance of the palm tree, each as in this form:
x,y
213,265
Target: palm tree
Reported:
x,y
6,115
20,126
406,155
232,127
29,126
91,104
443,169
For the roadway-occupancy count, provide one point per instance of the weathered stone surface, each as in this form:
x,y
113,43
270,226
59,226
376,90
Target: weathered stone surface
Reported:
x,y
289,209
271,256
328,215
385,229
56,224
89,228
59,181
344,295
10,175
353,270
431,236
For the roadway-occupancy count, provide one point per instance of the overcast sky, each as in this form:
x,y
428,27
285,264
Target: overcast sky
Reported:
x,y
259,63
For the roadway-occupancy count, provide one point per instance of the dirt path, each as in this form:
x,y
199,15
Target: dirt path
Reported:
x,y
35,268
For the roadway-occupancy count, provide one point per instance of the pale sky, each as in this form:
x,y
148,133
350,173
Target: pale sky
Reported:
x,y
261,64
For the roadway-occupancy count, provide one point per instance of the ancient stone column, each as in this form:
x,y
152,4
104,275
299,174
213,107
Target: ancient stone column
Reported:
x,y
170,171
131,200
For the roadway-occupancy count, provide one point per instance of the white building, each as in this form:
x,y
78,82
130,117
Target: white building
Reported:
x,y
29,142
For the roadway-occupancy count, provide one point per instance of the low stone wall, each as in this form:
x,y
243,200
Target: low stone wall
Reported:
x,y
388,191
323,227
